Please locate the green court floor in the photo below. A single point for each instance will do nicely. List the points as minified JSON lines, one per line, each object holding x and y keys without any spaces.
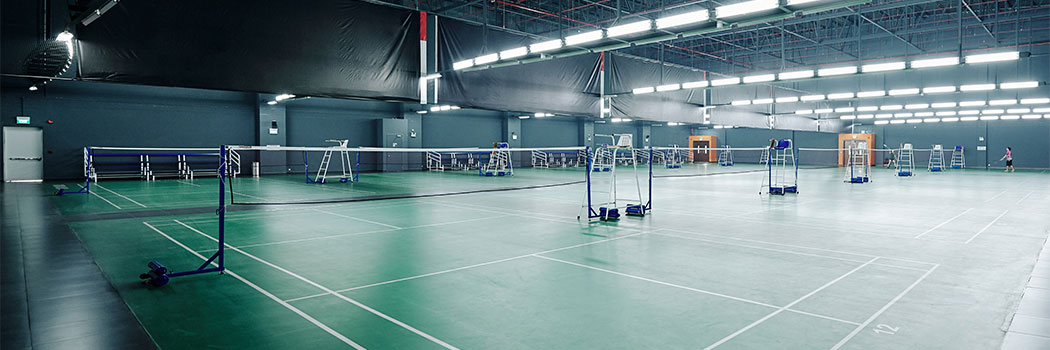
{"x":935,"y":261}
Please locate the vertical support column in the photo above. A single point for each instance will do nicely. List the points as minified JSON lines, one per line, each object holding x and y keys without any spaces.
{"x":414,"y":138}
{"x":511,"y":134}
{"x":645,"y":132}
{"x":587,"y":133}
{"x":267,"y":116}
{"x":393,"y":133}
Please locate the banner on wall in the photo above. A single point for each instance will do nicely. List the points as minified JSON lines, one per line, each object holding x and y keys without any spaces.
{"x":330,"y":48}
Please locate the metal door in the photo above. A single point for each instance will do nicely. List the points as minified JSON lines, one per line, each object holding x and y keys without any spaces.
{"x":701,"y":155}
{"x":23,"y":153}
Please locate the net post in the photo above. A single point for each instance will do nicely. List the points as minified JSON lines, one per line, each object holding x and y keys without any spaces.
{"x":649,"y":203}
{"x":222,"y":207}
{"x":590,"y":208}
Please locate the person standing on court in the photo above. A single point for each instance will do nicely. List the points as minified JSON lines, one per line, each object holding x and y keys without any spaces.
{"x":1009,"y":157}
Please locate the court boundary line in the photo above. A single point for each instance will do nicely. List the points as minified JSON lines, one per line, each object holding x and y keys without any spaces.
{"x":1025,"y":197}
{"x":696,"y":290}
{"x":273,"y":297}
{"x":987,"y":226}
{"x":326,"y":289}
{"x":121,"y":196}
{"x":781,"y":309}
{"x":107,"y":201}
{"x":996,"y":196}
{"x":944,"y":223}
{"x":883,"y":309}
{"x":187,"y":183}
{"x":358,"y":219}
{"x":468,"y":266}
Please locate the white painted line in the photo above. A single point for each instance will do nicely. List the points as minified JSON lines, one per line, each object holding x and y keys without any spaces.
{"x":329,"y":291}
{"x":1025,"y":197}
{"x":782,"y":308}
{"x":248,"y":195}
{"x":944,"y":223}
{"x":986,"y":227}
{"x":299,"y":312}
{"x":883,"y":309}
{"x":187,"y":183}
{"x":358,"y":219}
{"x":121,"y":196}
{"x":104,"y":198}
{"x":996,"y":196}
{"x":467,"y":267}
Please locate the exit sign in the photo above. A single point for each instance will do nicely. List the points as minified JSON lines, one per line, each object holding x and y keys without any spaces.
{"x":22,"y":120}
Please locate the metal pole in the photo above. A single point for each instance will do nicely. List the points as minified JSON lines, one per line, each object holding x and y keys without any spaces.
{"x":222,"y":207}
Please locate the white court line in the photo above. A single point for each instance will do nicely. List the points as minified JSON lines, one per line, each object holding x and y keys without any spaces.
{"x":883,"y":309}
{"x":701,"y":291}
{"x":996,"y":196}
{"x":329,"y":291}
{"x":121,"y":196}
{"x":467,"y":267}
{"x":187,"y":183}
{"x":302,"y":314}
{"x":943,"y":223}
{"x":1025,"y":197}
{"x":782,"y":308}
{"x":104,"y":198}
{"x":358,"y":219}
{"x":986,"y":227}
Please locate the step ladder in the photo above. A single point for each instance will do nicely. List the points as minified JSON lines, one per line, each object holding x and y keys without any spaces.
{"x":344,"y":163}
{"x":764,"y":160}
{"x":499,"y":162}
{"x":936,"y":159}
{"x":674,"y":158}
{"x":725,"y":156}
{"x":782,"y":168}
{"x":958,"y":159}
{"x":859,"y":164}
{"x":603,"y":200}
{"x":906,"y":160}
{"x":434,"y":162}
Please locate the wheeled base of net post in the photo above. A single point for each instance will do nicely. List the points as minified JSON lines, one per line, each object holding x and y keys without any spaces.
{"x":781,"y":190}
{"x":83,"y":189}
{"x":158,"y":274}
{"x":858,"y":180}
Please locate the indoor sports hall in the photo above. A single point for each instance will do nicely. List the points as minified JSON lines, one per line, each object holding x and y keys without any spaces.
{"x":525,"y":174}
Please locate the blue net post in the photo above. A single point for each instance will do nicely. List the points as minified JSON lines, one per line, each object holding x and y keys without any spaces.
{"x":649,"y":202}
{"x":222,"y":208}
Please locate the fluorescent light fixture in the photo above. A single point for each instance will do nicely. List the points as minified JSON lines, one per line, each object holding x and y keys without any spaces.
{"x":882,"y":122}
{"x":840,"y":96}
{"x":435,"y":108}
{"x":866,"y":116}
{"x":977,"y":87}
{"x":1030,"y":116}
{"x":971,"y":103}
{"x":844,"y":109}
{"x":445,"y":108}
{"x":431,"y":76}
{"x":1035,"y":101}
{"x":823,"y":111}
{"x":883,"y":67}
{"x":993,"y":111}
{"x":914,"y":121}
{"x":903,"y":115}
{"x":935,"y":62}
{"x":421,"y":112}
{"x":938,"y":89}
{"x":897,"y":121}
{"x":1041,"y":110}
{"x":760,"y":78}
{"x":884,"y":116}
{"x":787,"y":99}
{"x":802,"y":74}
{"x":949,"y":120}
{"x":863,"y":94}
{"x":641,"y":90}
{"x":762,"y":101}
{"x":827,"y":72}
{"x":486,"y":59}
{"x":545,"y":46}
{"x":804,"y":112}
{"x":267,"y":102}
{"x":800,"y":2}
{"x":542,"y":115}
{"x":969,"y":119}
{"x":745,"y":7}
{"x":283,"y":97}
{"x":626,"y":119}
{"x":668,"y":87}
{"x":719,"y":127}
{"x":903,"y":92}
{"x":726,"y":81}
{"x":463,"y":64}
{"x":924,"y":114}
{"x":945,"y":113}
{"x":740,"y":103}
{"x":970,"y":112}
{"x":1018,"y":110}
{"x":682,"y":19}
{"x":65,"y":37}
{"x":917,"y":106}
{"x":524,"y":117}
{"x":989,"y":117}
{"x":616,"y":120}
{"x":931,"y":120}
{"x":1010,"y":117}
{"x":943,"y":105}
{"x":993,"y":57}
{"x":695,"y":84}
{"x":867,"y":108}
{"x":629,"y":28}
{"x":585,"y":37}
{"x":848,"y":117}
{"x":1019,"y":85}
{"x":513,"y":53}
{"x":809,"y":98}
{"x":891,"y":107}
{"x":1002,"y":102}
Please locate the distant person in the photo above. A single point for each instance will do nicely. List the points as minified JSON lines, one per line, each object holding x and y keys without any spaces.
{"x":1009,"y":157}
{"x":892,"y":161}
